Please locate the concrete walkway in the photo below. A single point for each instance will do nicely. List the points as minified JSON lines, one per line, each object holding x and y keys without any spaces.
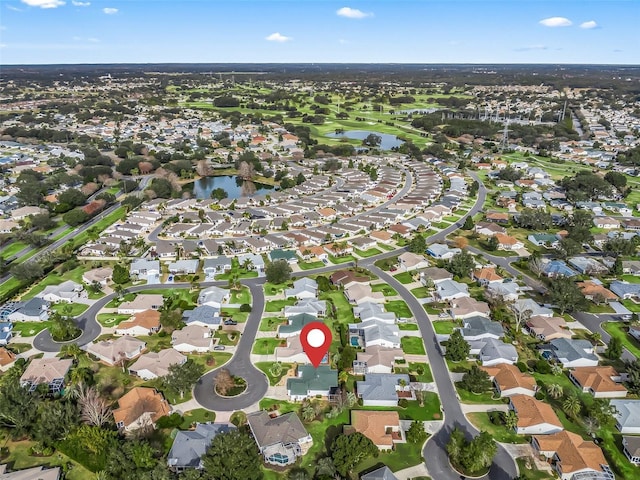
{"x":416,"y":471}
{"x":187,"y":406}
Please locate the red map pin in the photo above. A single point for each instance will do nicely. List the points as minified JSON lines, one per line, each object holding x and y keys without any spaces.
{"x":315,"y":339}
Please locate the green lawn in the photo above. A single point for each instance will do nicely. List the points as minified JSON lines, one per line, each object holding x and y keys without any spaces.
{"x":404,"y":277}
{"x":403,"y":456}
{"x":426,"y":376}
{"x":399,"y":307}
{"x":498,"y":432}
{"x":12,"y":249}
{"x":29,"y":329}
{"x":412,"y":345}
{"x":421,"y":292}
{"x":344,"y":311}
{"x":444,"y":327}
{"x":271,"y":289}
{"x":10,"y":288}
{"x":243,"y":296}
{"x":384,"y":288}
{"x":266,"y":368}
{"x":265,"y":346}
{"x":69,"y":309}
{"x":469,"y":397}
{"x":631,"y":278}
{"x":342,"y":259}
{"x":367,"y":253}
{"x":20,"y":458}
{"x":228,"y":339}
{"x":56,"y":278}
{"x":408,"y":326}
{"x":270,"y":324}
{"x":278,"y":305}
{"x":111,"y":319}
{"x":619,"y":330}
{"x":631,"y":305}
{"x":532,"y":473}
{"x":199,"y":415}
{"x":310,"y":265}
{"x":385,"y":247}
{"x":235,"y":314}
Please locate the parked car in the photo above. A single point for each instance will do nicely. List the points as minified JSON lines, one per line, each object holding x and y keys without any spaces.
{"x":230,"y":322}
{"x":218,"y":347}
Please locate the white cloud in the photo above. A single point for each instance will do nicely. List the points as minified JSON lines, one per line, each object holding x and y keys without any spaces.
{"x":14,"y":9}
{"x":342,"y":41}
{"x":110,"y":11}
{"x":44,"y":3}
{"x":589,"y":25}
{"x":277,"y":37}
{"x":349,"y":12}
{"x":556,"y":22}
{"x":80,"y":4}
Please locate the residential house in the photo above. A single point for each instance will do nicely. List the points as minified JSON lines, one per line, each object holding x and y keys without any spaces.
{"x":596,"y":292}
{"x":156,"y":364}
{"x":374,"y":333}
{"x":183,"y":267}
{"x":489,"y":229}
{"x":572,"y":457}
{"x":631,"y":449}
{"x":144,"y":269}
{"x":409,"y":261}
{"x":495,"y":352}
{"x":545,"y":240}
{"x":547,"y":328}
{"x":192,"y":339}
{"x":203,"y":316}
{"x":466,"y":307}
{"x":601,"y":382}
{"x":607,"y":223}
{"x":382,"y":473}
{"x":360,"y":293}
{"x":317,"y":308}
{"x":433,"y":275}
{"x":627,"y":415}
{"x":47,"y":371}
{"x":101,"y":275}
{"x":346,"y":278}
{"x":215,"y":266}
{"x":114,"y":351}
{"x":506,"y":291}
{"x":67,"y":292}
{"x":486,"y":275}
{"x":481,"y":328}
{"x":142,"y":323}
{"x":534,"y":416}
{"x":384,"y":389}
{"x":374,"y":311}
{"x":376,"y":359}
{"x":449,"y":290}
{"x":631,"y":267}
{"x":498,"y":217}
{"x":6,"y":332}
{"x":252,"y":261}
{"x":282,"y":439}
{"x":625,"y":290}
{"x":142,"y":302}
{"x":189,"y":446}
{"x":508,"y":380}
{"x":442,"y":251}
{"x":7,"y":357}
{"x":140,"y":407}
{"x":303,"y":288}
{"x":288,"y":255}
{"x":311,"y":381}
{"x":381,"y":427}
{"x":33,"y":473}
{"x":572,"y":353}
{"x":558,"y":268}
{"x":528,"y":307}
{"x":214,"y":297}
{"x":587,"y":265}
{"x":293,"y":351}
{"x":507,"y":242}
{"x":33,"y":310}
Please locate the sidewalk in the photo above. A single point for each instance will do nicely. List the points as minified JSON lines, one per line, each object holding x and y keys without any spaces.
{"x":416,"y":471}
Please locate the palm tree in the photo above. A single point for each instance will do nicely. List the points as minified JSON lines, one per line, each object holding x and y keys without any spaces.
{"x":247,"y":264}
{"x":308,"y":412}
{"x":343,"y":377}
{"x":298,"y":474}
{"x":71,"y":350}
{"x":595,"y":338}
{"x":511,"y":420}
{"x":555,"y":390}
{"x":572,"y":406}
{"x":325,"y":467}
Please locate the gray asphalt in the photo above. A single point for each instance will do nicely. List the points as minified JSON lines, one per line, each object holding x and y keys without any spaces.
{"x":594,"y":323}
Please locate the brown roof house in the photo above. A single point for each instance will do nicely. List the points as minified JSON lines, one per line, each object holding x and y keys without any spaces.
{"x":381,"y":427}
{"x":281,"y":439}
{"x":570,"y":455}
{"x":547,"y":328}
{"x":534,"y":416}
{"x":192,"y":338}
{"x":346,"y":278}
{"x":143,"y":323}
{"x":467,"y":307}
{"x":7,"y":357}
{"x":596,"y":292}
{"x":141,"y":303}
{"x":48,"y":371}
{"x":601,"y":382}
{"x":140,"y":407}
{"x":156,"y":364}
{"x":509,"y":380}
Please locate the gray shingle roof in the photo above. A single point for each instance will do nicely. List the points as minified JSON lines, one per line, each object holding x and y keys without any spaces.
{"x":380,"y":386}
{"x":190,"y":445}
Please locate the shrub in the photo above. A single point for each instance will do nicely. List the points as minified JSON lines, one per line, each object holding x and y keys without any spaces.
{"x":245,"y":307}
{"x":543,"y":367}
{"x":403,"y":402}
{"x":172,"y":421}
{"x":522,"y":367}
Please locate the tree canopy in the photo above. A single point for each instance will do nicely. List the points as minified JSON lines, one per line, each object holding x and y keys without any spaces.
{"x":233,"y":456}
{"x":278,"y":272}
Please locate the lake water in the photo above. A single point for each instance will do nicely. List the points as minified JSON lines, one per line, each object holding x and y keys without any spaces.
{"x":388,"y":141}
{"x":233,"y":185}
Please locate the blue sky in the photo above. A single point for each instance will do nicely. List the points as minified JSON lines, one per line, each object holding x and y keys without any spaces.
{"x":394,"y":31}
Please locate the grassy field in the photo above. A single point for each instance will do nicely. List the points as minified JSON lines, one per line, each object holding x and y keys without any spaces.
{"x":384,"y":288}
{"x":408,"y":326}
{"x":619,"y":330}
{"x":271,"y":289}
{"x":111,"y":319}
{"x":278,"y":305}
{"x":270,"y":324}
{"x":498,"y":432}
{"x":532,"y":473}
{"x":20,"y":458}
{"x":469,"y":397}
{"x":444,"y":327}
{"x":399,"y":307}
{"x":421,"y":292}
{"x":310,"y":265}
{"x":70,"y":309}
{"x":11,"y":250}
{"x":265,"y":346}
{"x":412,"y":345}
{"x":404,"y":278}
{"x":266,"y":368}
{"x":56,"y":278}
{"x":367,"y":253}
{"x":29,"y":329}
{"x":243,"y":296}
{"x":199,"y":415}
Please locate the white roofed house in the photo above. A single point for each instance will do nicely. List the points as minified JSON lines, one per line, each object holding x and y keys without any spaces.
{"x":33,"y":310}
{"x":113,"y":351}
{"x":185,"y":267}
{"x":410,"y":261}
{"x":449,"y":290}
{"x":359,"y":293}
{"x":214,"y":297}
{"x":627,"y":415}
{"x":192,"y":338}
{"x":384,"y":389}
{"x":100,"y":275}
{"x":375,"y":333}
{"x":302,"y":288}
{"x":142,"y":302}
{"x":67,"y":292}
{"x":311,"y":306}
{"x":495,"y":352}
{"x":144,"y":269}
{"x":48,"y":371}
{"x":153,"y":365}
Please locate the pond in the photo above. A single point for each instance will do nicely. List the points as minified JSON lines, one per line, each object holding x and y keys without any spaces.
{"x":388,"y":141}
{"x":233,"y":185}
